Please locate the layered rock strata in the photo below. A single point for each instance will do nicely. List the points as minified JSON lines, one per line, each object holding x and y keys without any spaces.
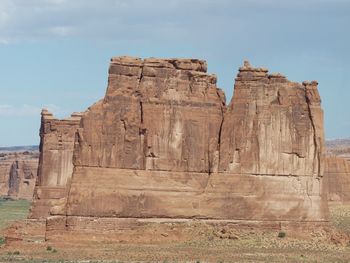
{"x":55,"y":162}
{"x":163,"y":144}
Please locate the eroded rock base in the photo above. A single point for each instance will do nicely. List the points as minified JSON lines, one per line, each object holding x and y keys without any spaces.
{"x":161,"y":194}
{"x":153,"y":230}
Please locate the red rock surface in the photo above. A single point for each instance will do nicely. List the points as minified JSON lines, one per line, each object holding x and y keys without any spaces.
{"x":337,"y":170}
{"x":163,"y":144}
{"x":55,"y":162}
{"x":272,"y":127}
{"x":337,"y":175}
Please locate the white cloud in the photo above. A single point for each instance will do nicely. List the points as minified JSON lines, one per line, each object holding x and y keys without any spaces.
{"x":28,"y":20}
{"x":55,"y":2}
{"x":4,"y":42}
{"x":62,"y":31}
{"x":4,"y":17}
{"x":6,"y":9}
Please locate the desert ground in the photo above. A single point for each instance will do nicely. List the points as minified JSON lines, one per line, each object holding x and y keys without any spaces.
{"x":183,"y":242}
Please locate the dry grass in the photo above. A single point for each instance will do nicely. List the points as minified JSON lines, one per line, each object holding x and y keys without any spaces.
{"x":340,"y":217}
{"x":207,"y":245}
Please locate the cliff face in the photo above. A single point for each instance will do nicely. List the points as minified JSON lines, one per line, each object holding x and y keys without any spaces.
{"x":163,"y":144}
{"x":18,"y":173}
{"x":56,"y":149}
{"x":55,"y":162}
{"x":272,"y":126}
{"x":337,"y":178}
{"x":149,"y":116}
{"x":337,"y":170}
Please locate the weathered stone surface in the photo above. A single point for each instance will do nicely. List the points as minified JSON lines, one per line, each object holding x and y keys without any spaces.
{"x":144,"y":194}
{"x":163,"y":144}
{"x":272,"y":127}
{"x":55,"y":163}
{"x":337,"y":179}
{"x":148,"y":118}
{"x":337,"y":170}
{"x":18,"y":173}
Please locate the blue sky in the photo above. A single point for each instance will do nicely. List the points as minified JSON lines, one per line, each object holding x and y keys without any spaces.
{"x":55,"y":53}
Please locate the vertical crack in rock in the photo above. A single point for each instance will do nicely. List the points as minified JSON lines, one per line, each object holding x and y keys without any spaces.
{"x":142,"y":129}
{"x":191,"y":85}
{"x":317,"y":150}
{"x":220,"y":133}
{"x":209,"y":172}
{"x":210,"y":164}
{"x":141,"y":112}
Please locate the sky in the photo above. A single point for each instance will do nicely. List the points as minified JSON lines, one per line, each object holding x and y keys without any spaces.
{"x":55,"y":53}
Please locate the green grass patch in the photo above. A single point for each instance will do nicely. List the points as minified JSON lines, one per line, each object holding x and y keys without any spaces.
{"x":11,"y":210}
{"x":2,"y":240}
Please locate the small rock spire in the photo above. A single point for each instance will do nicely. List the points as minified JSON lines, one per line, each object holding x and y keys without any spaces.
{"x":46,"y":113}
{"x":246,"y":64}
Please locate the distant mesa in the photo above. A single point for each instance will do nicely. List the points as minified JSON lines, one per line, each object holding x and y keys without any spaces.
{"x":19,"y":148}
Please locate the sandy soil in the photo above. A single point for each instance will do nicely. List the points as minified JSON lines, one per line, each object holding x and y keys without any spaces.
{"x":185,"y":242}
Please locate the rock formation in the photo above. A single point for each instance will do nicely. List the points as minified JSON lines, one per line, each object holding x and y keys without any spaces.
{"x":337,"y":175}
{"x":163,"y":144}
{"x":55,"y":162}
{"x":337,"y":170}
{"x":18,"y":172}
{"x":272,"y":127}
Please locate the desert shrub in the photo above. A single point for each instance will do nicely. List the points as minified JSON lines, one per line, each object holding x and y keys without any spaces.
{"x":16,"y":253}
{"x":281,"y":234}
{"x":2,"y":241}
{"x":49,"y":248}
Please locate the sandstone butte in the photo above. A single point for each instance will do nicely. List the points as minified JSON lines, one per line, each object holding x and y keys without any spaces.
{"x":163,"y":144}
